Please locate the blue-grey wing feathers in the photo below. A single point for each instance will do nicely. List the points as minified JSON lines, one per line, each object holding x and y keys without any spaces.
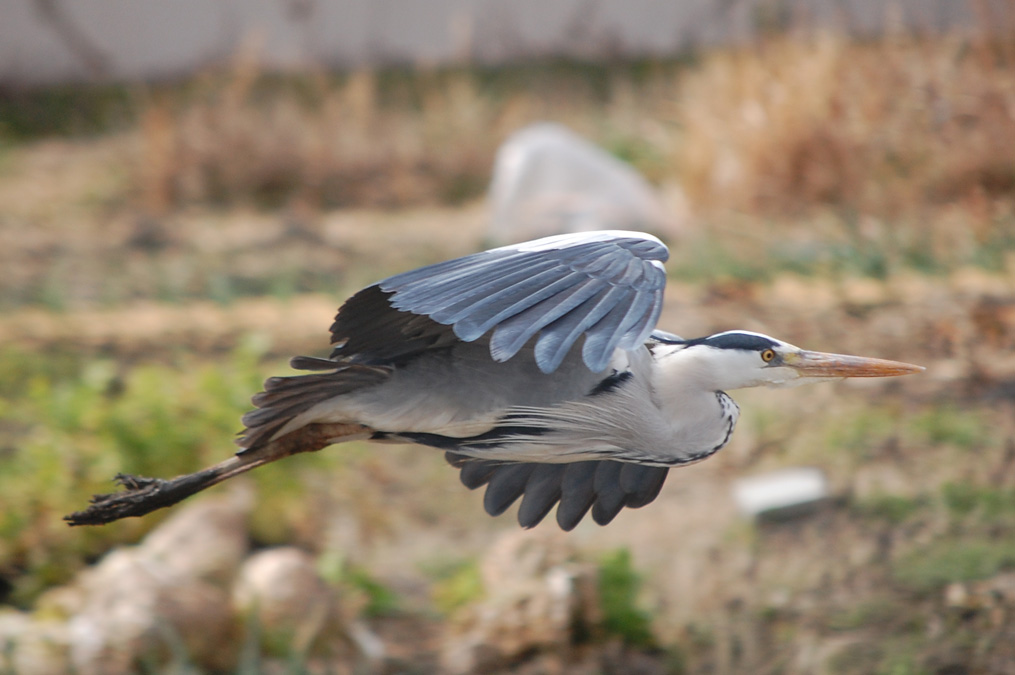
{"x":605,"y":286}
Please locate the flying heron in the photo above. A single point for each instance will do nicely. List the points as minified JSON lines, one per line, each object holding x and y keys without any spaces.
{"x":535,"y":367}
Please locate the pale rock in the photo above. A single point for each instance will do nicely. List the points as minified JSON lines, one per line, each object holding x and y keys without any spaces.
{"x":956,"y":595}
{"x":168,"y":593}
{"x":536,"y":594}
{"x":205,"y":540}
{"x":31,"y":646}
{"x":283,"y":592}
{"x":548,"y":180}
{"x":282,"y":588}
{"x":136,"y":607}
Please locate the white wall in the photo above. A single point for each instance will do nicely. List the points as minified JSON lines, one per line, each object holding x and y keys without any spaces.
{"x":61,"y":40}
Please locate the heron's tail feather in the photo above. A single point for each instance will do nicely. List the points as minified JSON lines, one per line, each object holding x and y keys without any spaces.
{"x":284,"y":398}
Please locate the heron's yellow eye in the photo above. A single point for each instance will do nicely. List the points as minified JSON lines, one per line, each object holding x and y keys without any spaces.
{"x":767,"y":355}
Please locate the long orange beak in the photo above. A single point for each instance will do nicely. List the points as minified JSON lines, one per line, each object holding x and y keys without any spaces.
{"x":820,"y":364}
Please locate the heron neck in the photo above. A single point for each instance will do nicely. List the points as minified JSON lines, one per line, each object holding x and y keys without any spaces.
{"x":700,"y":416}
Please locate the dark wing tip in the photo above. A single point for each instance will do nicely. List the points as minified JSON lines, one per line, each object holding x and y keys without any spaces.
{"x":605,"y":487}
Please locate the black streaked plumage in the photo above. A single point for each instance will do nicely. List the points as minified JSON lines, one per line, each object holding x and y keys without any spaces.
{"x":611,"y":383}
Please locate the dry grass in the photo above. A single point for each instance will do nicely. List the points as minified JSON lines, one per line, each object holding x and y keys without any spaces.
{"x":370,"y":139}
{"x":861,"y":158}
{"x":241,"y":136}
{"x":885,"y":129}
{"x":331,"y":146}
{"x":888,"y":128}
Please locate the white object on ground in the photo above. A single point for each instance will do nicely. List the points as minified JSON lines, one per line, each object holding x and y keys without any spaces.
{"x":548,"y":180}
{"x":780,"y":492}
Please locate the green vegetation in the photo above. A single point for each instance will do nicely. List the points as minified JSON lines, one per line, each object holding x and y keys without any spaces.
{"x":68,"y":425}
{"x":69,"y":110}
{"x":877,"y":613}
{"x":950,"y":425}
{"x":946,"y":560}
{"x":893,"y":509}
{"x":457,"y":585}
{"x":866,"y":431}
{"x":891,"y":656}
{"x":989,"y":504}
{"x":379,"y":599}
{"x":619,"y":588}
{"x":862,"y":433}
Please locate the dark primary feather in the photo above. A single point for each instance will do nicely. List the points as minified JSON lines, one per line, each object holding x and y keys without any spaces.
{"x":609,"y":493}
{"x":641,"y":483}
{"x":605,"y":486}
{"x":506,"y":485}
{"x":474,"y":474}
{"x":577,"y":493}
{"x":368,"y":330}
{"x":542,"y":492}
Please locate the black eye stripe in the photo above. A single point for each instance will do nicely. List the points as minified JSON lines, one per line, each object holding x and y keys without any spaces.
{"x":734,"y":340}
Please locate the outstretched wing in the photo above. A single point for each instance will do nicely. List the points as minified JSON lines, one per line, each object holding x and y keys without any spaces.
{"x":605,"y":486}
{"x":607,"y":286}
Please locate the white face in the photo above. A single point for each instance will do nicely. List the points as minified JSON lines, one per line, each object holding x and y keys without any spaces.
{"x":739,"y":359}
{"x":741,"y":368}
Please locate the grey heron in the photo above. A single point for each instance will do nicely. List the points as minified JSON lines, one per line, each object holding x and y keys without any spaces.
{"x":536,"y":368}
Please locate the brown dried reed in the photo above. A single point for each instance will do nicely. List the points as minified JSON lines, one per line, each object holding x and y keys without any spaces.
{"x":884,"y":129}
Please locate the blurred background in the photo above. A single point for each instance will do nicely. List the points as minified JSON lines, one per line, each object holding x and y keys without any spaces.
{"x":189,"y":190}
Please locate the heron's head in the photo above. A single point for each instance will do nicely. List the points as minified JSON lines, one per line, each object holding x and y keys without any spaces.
{"x":739,"y":359}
